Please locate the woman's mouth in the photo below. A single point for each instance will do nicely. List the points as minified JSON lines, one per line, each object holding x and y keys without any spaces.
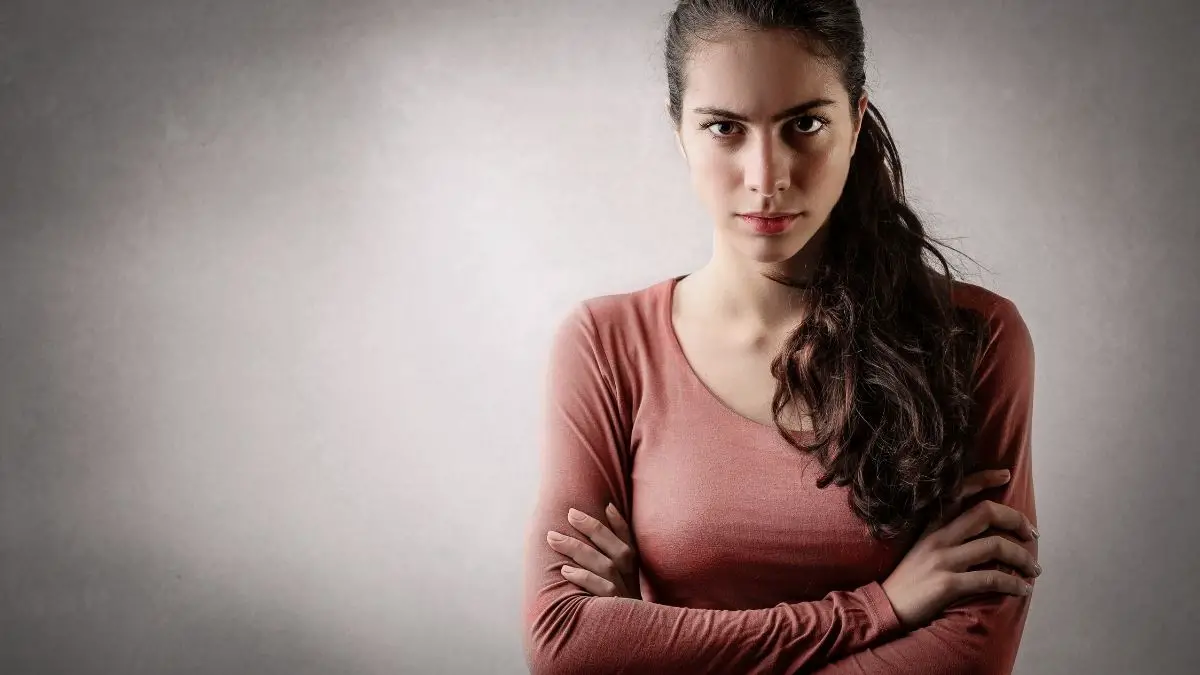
{"x":768,"y":224}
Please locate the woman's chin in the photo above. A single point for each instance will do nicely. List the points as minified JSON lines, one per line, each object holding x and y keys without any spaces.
{"x":773,"y":249}
{"x":770,"y":252}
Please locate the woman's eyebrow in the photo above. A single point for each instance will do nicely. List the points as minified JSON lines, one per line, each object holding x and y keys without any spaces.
{"x":790,"y":112}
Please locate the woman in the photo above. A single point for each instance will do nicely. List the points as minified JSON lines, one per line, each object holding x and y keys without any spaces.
{"x":778,"y":463}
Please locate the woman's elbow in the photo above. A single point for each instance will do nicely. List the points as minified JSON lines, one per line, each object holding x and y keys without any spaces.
{"x":547,"y":651}
{"x":537,"y":652}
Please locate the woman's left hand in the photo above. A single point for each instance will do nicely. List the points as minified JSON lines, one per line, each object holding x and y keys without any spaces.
{"x":610,"y":571}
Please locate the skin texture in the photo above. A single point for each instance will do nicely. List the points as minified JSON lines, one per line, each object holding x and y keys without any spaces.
{"x":796,"y":164}
{"x":730,"y":319}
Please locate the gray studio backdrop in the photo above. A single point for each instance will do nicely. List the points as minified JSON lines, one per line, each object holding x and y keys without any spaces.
{"x":277,"y":280}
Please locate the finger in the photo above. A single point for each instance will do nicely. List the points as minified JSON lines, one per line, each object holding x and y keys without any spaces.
{"x":971,"y":485}
{"x":622,"y":529}
{"x":996,"y":547}
{"x":619,"y":526}
{"x":589,"y":582}
{"x":991,"y":581}
{"x":983,"y":480}
{"x":587,"y":557}
{"x":608,"y":543}
{"x":952,"y":528}
{"x":980,"y":517}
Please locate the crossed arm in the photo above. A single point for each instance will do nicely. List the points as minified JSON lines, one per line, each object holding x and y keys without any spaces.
{"x":845,"y":633}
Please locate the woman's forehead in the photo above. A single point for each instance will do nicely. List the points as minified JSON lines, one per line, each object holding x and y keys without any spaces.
{"x":757,"y":73}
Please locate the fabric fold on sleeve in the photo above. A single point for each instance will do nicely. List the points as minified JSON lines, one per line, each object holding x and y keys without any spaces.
{"x":585,"y":465}
{"x":979,"y":635}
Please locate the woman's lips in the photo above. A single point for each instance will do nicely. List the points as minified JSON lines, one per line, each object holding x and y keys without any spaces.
{"x":762,"y":225}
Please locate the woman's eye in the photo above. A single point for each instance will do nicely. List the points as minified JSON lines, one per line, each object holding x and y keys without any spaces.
{"x":812,"y":119}
{"x":714,"y":125}
{"x":803,"y":125}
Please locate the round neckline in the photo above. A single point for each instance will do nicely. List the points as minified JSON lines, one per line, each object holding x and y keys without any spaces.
{"x":714,"y":401}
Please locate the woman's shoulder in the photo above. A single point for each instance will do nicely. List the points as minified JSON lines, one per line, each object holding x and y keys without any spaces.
{"x":621,"y":327}
{"x":997,"y":309}
{"x":624,"y":314}
{"x":638,"y":301}
{"x":622,"y":335}
{"x":1008,"y":345}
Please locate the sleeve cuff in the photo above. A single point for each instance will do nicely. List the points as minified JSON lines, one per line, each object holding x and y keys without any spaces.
{"x":881,"y":608}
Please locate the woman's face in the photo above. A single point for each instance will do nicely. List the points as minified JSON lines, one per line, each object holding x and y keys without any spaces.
{"x":765,"y":127}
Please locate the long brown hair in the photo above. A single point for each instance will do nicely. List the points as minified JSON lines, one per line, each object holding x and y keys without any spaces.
{"x":883,"y":360}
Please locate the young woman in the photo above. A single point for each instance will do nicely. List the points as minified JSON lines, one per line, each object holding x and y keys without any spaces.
{"x":779,"y":462}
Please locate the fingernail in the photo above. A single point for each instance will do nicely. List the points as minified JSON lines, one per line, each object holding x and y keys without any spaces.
{"x":1028,"y":589}
{"x":611,"y":509}
{"x":554,"y":536}
{"x":575,"y":515}
{"x":567,"y":569}
{"x":1035,"y":532}
{"x":1037,"y":568}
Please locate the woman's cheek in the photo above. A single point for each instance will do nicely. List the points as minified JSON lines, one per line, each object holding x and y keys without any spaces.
{"x":714,"y":181}
{"x":821,"y":174}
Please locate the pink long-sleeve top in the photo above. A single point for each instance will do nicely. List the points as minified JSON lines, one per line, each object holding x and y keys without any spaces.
{"x":746,"y":567}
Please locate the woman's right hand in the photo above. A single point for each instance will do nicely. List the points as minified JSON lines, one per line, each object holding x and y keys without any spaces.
{"x":934,"y":573}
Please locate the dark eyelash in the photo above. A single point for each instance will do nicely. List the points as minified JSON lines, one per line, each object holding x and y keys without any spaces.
{"x":824,"y":123}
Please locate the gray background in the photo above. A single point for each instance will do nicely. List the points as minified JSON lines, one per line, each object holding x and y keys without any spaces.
{"x":277,"y":281}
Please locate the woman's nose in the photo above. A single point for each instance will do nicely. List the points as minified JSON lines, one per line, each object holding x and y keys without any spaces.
{"x":767,"y":172}
{"x":768,"y":188}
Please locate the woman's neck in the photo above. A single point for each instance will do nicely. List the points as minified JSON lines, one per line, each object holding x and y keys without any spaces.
{"x":735,"y":290}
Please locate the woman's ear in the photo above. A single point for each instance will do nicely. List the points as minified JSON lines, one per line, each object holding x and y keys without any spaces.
{"x":862,"y":115}
{"x":679,"y":144}
{"x":674,"y":128}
